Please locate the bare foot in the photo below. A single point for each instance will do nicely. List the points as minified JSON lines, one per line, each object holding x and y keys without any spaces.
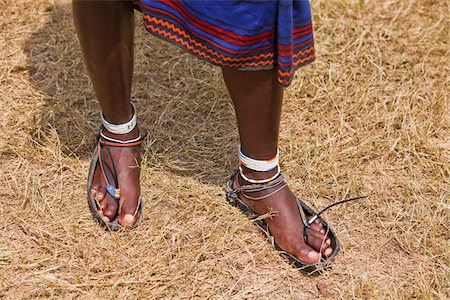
{"x":127,"y":161}
{"x":286,"y":224}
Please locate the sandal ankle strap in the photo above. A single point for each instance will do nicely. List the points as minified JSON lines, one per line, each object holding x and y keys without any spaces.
{"x":259,"y":181}
{"x":119,"y":143}
{"x":277,"y":183}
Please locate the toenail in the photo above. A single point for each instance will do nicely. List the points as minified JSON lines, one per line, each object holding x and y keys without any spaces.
{"x":328,"y":251}
{"x":128,"y":219}
{"x":328,"y":242}
{"x":322,"y":231}
{"x":105,"y":219}
{"x":313,"y":254}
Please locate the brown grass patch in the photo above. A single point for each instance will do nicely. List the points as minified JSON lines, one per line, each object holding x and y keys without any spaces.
{"x":369,"y":117}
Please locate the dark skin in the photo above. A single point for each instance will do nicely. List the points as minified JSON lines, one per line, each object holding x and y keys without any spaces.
{"x":105,"y":30}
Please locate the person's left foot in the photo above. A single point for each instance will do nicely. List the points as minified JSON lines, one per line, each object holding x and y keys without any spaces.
{"x":285,"y":223}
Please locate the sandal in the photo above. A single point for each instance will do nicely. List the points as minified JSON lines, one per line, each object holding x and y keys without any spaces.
{"x":304,"y":210}
{"x":109,"y":172}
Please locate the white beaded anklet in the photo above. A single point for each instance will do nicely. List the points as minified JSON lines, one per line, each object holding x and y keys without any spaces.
{"x":121,"y":128}
{"x":259,"y":166}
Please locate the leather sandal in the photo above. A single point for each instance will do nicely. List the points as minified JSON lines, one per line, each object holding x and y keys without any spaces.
{"x":305,"y":211}
{"x":109,"y":172}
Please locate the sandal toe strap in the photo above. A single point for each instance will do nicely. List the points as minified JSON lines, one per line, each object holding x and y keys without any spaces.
{"x":109,"y":172}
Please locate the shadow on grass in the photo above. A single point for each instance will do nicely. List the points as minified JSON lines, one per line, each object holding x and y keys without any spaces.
{"x":183,"y":106}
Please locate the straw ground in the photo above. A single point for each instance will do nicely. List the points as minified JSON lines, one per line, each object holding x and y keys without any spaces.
{"x":369,"y":117}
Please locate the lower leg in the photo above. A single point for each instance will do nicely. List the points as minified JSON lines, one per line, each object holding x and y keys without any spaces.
{"x":257,"y":98}
{"x":106,"y":30}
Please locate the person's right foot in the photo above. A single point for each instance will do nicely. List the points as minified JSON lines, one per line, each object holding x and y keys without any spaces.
{"x":127,"y":161}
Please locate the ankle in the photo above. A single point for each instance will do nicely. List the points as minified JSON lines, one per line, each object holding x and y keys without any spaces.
{"x":258,"y":171}
{"x":121,"y":115}
{"x":124,"y":131}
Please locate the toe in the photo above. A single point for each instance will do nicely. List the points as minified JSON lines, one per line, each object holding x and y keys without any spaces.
{"x":319,"y":242}
{"x":98,"y":188}
{"x":317,"y":228}
{"x":101,"y":193}
{"x":110,"y":207}
{"x":128,"y":213}
{"x":95,"y":192}
{"x":307,"y":254}
{"x":127,"y":220}
{"x":316,"y":223}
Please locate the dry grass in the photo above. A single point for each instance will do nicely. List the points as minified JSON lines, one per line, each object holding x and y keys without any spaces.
{"x":369,"y":117}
